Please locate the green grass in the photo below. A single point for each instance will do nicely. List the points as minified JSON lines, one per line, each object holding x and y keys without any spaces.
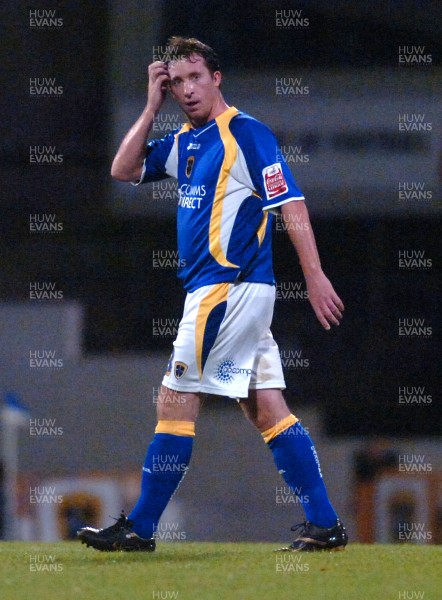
{"x":194,"y":571}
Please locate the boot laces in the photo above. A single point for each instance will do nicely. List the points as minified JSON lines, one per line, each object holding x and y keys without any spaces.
{"x":302,"y":525}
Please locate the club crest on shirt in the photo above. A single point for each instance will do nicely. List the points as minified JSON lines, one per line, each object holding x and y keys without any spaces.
{"x":189,"y":165}
{"x":179,"y":369}
{"x":274,"y":181}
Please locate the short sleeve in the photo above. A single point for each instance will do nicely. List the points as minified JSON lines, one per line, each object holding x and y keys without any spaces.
{"x":261,"y":164}
{"x":160,"y":161}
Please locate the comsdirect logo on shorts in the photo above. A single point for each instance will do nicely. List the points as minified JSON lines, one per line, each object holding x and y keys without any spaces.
{"x":226,"y":371}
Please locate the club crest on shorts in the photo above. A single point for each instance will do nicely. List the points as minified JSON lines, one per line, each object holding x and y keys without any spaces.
{"x":179,"y":369}
{"x":189,"y":165}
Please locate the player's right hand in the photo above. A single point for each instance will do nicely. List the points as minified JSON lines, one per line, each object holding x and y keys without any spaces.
{"x":157,"y":88}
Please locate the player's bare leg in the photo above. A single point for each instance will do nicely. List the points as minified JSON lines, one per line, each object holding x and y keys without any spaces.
{"x":265,"y":408}
{"x":297,"y":461}
{"x":177,"y":406}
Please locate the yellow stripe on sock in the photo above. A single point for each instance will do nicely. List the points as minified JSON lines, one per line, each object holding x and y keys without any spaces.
{"x":281,"y":426}
{"x":183,"y":428}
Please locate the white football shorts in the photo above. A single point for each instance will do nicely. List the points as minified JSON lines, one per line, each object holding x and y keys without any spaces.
{"x":224,"y":345}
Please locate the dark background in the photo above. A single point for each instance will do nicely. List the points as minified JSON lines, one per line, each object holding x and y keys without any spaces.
{"x":105,"y":260}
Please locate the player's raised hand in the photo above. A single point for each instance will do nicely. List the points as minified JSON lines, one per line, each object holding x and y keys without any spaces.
{"x":325,"y":301}
{"x":128,"y":162}
{"x":157,"y":88}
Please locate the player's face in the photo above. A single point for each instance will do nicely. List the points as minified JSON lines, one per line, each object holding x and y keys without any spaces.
{"x":195,"y":89}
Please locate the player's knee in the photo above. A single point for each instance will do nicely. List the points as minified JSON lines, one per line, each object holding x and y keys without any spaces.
{"x":258,"y":417}
{"x":265,"y":408}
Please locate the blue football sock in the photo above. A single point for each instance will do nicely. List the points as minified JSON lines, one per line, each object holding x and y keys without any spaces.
{"x":165,"y":466}
{"x":296,"y":459}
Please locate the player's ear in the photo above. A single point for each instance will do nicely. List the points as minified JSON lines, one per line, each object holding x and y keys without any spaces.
{"x":217,"y":78}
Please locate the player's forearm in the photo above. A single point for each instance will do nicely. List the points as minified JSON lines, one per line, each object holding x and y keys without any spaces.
{"x":298,"y":226}
{"x":128,"y":162}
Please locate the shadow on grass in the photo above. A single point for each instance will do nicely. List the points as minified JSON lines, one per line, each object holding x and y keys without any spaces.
{"x":178,"y":553}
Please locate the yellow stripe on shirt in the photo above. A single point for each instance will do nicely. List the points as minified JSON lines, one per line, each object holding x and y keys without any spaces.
{"x":262,"y":228}
{"x":230,"y":154}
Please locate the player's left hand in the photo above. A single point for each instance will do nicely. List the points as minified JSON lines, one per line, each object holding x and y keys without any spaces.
{"x":325,"y":301}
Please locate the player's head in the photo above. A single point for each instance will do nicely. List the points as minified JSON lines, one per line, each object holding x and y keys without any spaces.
{"x":185,"y":48}
{"x":195,"y":79}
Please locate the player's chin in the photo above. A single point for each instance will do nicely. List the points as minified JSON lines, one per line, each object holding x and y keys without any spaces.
{"x":196,"y":110}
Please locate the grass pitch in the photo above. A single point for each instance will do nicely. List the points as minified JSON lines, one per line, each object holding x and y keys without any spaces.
{"x":203,"y":571}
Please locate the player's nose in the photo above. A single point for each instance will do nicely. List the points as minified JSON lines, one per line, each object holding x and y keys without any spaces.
{"x":188,"y":88}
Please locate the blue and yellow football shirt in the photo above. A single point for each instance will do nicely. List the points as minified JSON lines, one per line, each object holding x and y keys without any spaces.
{"x":229,"y":182}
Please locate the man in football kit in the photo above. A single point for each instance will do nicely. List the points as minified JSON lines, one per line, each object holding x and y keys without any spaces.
{"x":229,"y":182}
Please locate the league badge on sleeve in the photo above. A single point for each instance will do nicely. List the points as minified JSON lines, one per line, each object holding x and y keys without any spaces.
{"x":274,"y":181}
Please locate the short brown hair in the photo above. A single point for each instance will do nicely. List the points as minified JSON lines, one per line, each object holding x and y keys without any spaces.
{"x":185,"y":47}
